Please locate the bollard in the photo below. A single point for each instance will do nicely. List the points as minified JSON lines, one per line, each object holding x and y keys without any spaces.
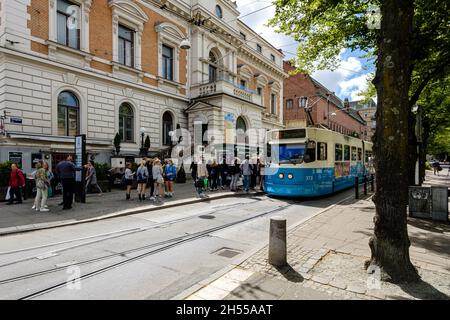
{"x":365,"y":185}
{"x":356,"y":188}
{"x":372,"y":182}
{"x":277,"y":242}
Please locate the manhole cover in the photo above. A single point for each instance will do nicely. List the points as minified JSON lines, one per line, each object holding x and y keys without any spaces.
{"x":206,"y":216}
{"x":227,"y":252}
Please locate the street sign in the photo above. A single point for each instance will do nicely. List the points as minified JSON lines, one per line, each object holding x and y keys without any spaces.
{"x":15,"y":120}
{"x":80,"y":161}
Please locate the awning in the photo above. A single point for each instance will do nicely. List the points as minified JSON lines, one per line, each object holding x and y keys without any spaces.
{"x":57,"y":139}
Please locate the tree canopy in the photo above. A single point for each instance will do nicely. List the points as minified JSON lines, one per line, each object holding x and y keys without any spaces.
{"x":324,"y":28}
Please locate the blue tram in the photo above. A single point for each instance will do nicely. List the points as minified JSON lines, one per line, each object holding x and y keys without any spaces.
{"x":313,"y":162}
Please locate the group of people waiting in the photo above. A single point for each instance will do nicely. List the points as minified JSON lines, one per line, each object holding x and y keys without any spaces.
{"x":211,"y":175}
{"x":154,"y":174}
{"x":42,"y":177}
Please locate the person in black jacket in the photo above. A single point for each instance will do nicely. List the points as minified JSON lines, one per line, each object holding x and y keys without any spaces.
{"x":235,"y":171}
{"x":254,"y":175}
{"x":224,"y":171}
{"x":151,"y":181}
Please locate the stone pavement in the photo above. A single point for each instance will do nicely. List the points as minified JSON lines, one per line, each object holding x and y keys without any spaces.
{"x":20,"y":217}
{"x":326,"y":258}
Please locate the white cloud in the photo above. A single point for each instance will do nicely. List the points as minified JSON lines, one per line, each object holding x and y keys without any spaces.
{"x":346,"y":82}
{"x":353,"y":86}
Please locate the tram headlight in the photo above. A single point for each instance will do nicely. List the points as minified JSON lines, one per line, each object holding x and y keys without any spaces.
{"x":281,"y":176}
{"x":290,"y":176}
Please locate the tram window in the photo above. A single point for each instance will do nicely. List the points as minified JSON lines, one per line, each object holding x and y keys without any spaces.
{"x":269,"y":150}
{"x":321,"y":151}
{"x":354,"y":154}
{"x":359,"y":154}
{"x":338,"y":152}
{"x":310,"y":154}
{"x":346,"y":153}
{"x":368,"y":155}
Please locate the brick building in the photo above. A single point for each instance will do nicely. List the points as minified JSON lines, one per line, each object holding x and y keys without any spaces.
{"x":121,"y":68}
{"x":367,"y":110}
{"x":326,"y":108}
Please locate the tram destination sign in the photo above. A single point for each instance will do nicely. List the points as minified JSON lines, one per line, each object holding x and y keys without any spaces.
{"x":289,"y":134}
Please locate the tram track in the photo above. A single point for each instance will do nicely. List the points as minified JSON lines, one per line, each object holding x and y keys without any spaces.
{"x":107,"y":236}
{"x":160,"y":246}
{"x":171,"y":243}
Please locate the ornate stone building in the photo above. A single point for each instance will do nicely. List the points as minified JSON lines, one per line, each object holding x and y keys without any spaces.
{"x":107,"y":66}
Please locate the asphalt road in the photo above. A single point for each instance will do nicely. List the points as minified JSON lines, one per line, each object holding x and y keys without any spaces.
{"x":154,"y":255}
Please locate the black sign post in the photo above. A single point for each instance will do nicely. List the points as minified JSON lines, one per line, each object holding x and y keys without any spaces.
{"x":80,"y":161}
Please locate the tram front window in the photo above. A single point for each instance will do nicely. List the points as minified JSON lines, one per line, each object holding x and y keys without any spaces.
{"x":289,"y":153}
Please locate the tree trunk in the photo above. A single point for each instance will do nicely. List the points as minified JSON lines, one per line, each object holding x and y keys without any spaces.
{"x":390,"y":243}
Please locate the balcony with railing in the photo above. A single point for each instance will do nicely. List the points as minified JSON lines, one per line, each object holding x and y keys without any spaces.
{"x":223,"y":86}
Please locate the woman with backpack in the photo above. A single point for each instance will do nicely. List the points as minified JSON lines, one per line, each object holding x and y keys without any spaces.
{"x":42,"y":184}
{"x":128,"y":180}
{"x":142,"y":178}
{"x":151,"y":181}
{"x":157,"y":173}
{"x":91,"y":178}
{"x":170,"y":173}
{"x":214,"y":175}
{"x":235,"y":171}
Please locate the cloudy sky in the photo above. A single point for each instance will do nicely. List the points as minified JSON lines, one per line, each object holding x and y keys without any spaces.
{"x":346,"y":81}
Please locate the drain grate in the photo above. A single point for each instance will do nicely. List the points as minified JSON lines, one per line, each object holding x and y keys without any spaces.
{"x":206,"y":216}
{"x":227,"y":252}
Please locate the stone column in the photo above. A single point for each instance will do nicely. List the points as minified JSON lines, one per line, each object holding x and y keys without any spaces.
{"x":277,"y":242}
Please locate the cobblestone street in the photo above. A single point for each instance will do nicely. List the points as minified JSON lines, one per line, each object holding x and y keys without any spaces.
{"x":326,"y":257}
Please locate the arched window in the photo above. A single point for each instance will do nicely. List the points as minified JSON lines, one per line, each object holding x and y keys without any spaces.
{"x":212,"y":67}
{"x":126,"y":122}
{"x":241,"y":129}
{"x":240,"y":124}
{"x":219,"y":12}
{"x":167,"y":127}
{"x":68,"y":114}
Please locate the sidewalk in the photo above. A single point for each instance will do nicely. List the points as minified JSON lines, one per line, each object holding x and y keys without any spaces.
{"x":326,"y":258}
{"x":20,"y":217}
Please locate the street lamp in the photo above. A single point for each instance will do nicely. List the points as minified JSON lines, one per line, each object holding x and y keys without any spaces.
{"x":185,"y":44}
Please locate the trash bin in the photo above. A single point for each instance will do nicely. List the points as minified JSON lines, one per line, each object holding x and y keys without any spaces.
{"x":420,"y":202}
{"x":439,"y":206}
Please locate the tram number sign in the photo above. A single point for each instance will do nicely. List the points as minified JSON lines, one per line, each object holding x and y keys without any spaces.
{"x":309,"y":178}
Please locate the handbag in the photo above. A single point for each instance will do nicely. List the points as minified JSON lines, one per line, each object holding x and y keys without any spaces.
{"x":8,"y":196}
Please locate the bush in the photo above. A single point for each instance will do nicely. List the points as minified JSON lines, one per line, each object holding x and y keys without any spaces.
{"x":428,"y":166}
{"x":5,"y":171}
{"x":102,"y":170}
